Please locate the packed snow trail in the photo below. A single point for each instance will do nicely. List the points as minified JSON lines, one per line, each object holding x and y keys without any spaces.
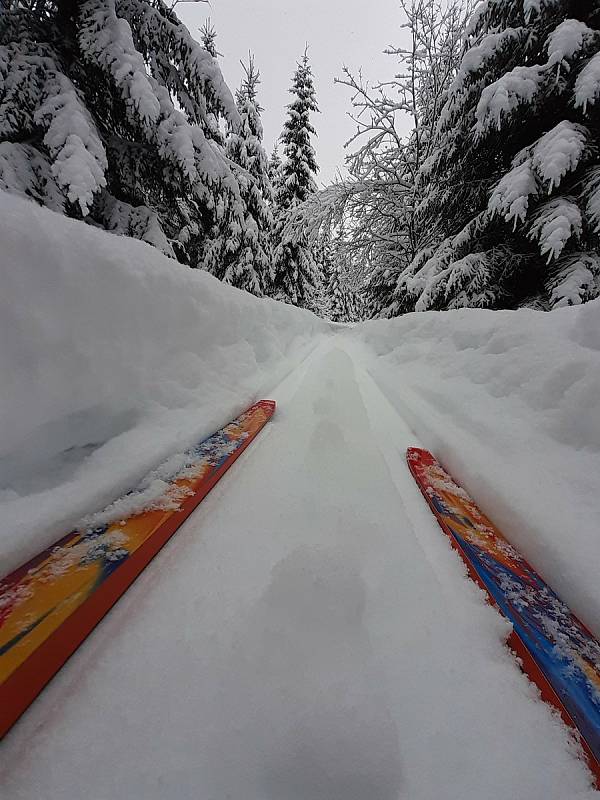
{"x":307,"y":635}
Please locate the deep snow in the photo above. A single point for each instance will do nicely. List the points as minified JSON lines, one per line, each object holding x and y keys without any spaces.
{"x":510,"y":403}
{"x":309,"y":633}
{"x":113,"y":358}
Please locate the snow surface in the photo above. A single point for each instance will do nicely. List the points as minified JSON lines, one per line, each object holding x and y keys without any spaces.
{"x":309,"y":634}
{"x":510,"y":403}
{"x":113,"y":358}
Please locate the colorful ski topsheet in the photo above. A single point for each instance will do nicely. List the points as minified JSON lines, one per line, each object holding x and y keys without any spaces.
{"x":560,"y":645}
{"x":49,"y":605}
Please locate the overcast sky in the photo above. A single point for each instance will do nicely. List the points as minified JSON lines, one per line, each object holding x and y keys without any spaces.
{"x":352,"y":32}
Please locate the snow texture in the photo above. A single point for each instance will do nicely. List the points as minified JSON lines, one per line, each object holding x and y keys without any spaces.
{"x":501,"y":98}
{"x":137,"y":221}
{"x":79,"y":159}
{"x":587,"y":85}
{"x":566,"y":41}
{"x":107,"y":39}
{"x":591,"y":194}
{"x":114,"y":357}
{"x":487,"y":49}
{"x":510,"y":404}
{"x":240,"y":250}
{"x":24,"y":170}
{"x":511,"y":196}
{"x":474,"y":21}
{"x":47,"y":99}
{"x":559,"y":152}
{"x":295,"y":268}
{"x":554,"y":223}
{"x":546,"y":162}
{"x":308,"y":635}
{"x":575,"y":279}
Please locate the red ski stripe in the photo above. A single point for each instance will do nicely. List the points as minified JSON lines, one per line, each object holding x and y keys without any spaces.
{"x":419,"y":461}
{"x":24,"y":684}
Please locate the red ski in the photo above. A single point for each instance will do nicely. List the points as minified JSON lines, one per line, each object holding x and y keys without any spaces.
{"x":51,"y":604}
{"x":557,"y":651}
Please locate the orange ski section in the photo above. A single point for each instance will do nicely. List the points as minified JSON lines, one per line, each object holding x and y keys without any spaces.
{"x":51,"y":604}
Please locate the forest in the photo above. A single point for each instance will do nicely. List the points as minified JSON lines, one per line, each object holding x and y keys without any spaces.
{"x":112,"y":113}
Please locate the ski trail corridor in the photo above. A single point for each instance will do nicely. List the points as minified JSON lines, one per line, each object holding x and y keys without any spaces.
{"x":307,"y":635}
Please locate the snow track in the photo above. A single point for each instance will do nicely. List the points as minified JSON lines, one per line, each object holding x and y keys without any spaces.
{"x":307,"y":635}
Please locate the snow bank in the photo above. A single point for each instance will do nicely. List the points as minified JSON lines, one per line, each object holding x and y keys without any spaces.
{"x":327,"y":646}
{"x":510,"y":402}
{"x":112,"y":358}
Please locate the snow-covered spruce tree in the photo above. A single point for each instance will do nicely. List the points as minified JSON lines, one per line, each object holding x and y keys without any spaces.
{"x":323,"y":252}
{"x":109,"y":111}
{"x":275,"y":166}
{"x":208,"y":37}
{"x":295,"y":265}
{"x":240,"y":253}
{"x":513,"y":188}
{"x":378,"y":293}
{"x":340,"y":304}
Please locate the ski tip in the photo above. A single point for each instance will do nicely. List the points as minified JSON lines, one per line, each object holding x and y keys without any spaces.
{"x":414,"y":454}
{"x":268,"y":405}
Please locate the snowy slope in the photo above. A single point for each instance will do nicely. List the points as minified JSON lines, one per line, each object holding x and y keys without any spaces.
{"x":308,"y":635}
{"x":112,"y":358}
{"x":510,"y":402}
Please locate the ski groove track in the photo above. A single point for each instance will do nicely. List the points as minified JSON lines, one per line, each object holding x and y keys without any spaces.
{"x":308,"y":634}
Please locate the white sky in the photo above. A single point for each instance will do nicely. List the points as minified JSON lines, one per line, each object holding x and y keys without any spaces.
{"x":351,"y":32}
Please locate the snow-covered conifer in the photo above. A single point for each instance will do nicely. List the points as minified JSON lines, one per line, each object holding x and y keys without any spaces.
{"x":300,"y":164}
{"x":380,"y":287}
{"x":208,"y":37}
{"x":340,"y":303}
{"x":295,"y":265}
{"x":323,"y":252}
{"x":275,"y":165}
{"x":240,"y":252}
{"x":110,"y":111}
{"x":511,"y":189}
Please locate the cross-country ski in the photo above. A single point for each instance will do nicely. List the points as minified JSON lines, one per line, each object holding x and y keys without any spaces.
{"x":556,"y":650}
{"x":51,"y":604}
